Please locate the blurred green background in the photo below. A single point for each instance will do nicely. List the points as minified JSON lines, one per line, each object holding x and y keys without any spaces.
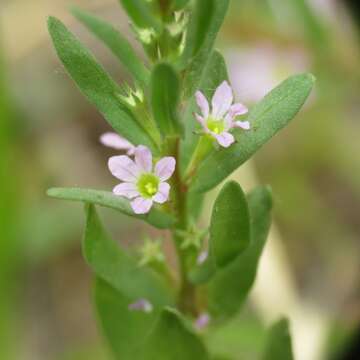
{"x":49,"y":137}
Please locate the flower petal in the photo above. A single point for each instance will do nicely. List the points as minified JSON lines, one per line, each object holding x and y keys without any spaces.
{"x":141,"y":305}
{"x":115,"y":141}
{"x":202,"y":103}
{"x":165,"y":168}
{"x":243,"y":125}
{"x":202,"y":321}
{"x":129,"y":190}
{"x":225,"y":139}
{"x":202,"y":121}
{"x":123,"y":168}
{"x":141,"y":205}
{"x":222,"y":100}
{"x":238,"y":109}
{"x":202,"y":257}
{"x":163,"y":193}
{"x":143,"y":158}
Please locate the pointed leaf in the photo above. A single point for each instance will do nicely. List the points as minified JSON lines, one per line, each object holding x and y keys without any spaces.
{"x":230,"y":225}
{"x":140,"y":13}
{"x":173,"y":339}
{"x":230,"y":286}
{"x":125,"y":330}
{"x":278,"y":345}
{"x":179,"y":4}
{"x":96,"y":84}
{"x":212,"y":76}
{"x":112,"y":264}
{"x":201,"y":274}
{"x":194,"y":70}
{"x":165,"y":95}
{"x":156,"y":217}
{"x":266,"y":119}
{"x":200,"y":23}
{"x":120,"y":47}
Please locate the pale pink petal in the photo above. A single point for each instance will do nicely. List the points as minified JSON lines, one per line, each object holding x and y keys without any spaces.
{"x":225,"y":139}
{"x":165,"y":168}
{"x":143,"y":158}
{"x":141,"y":305}
{"x":123,"y":168}
{"x":202,"y":321}
{"x":222,"y":100}
{"x":202,"y":257}
{"x":243,"y":125}
{"x":203,"y":104}
{"x":228,"y":121}
{"x":238,"y":109}
{"x":163,"y":193}
{"x":115,"y":141}
{"x":202,"y":121}
{"x":129,"y":190}
{"x":141,"y":205}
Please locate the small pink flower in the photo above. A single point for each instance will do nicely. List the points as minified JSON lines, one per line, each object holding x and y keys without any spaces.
{"x":221,"y":119}
{"x":202,"y":257}
{"x":115,"y":141}
{"x":141,"y":305}
{"x":141,"y":183}
{"x":202,"y":322}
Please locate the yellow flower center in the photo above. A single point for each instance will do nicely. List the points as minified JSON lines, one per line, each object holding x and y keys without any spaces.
{"x":148,"y":185}
{"x":215,"y":126}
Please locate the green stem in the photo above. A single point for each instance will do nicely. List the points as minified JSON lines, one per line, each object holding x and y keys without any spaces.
{"x":203,"y":148}
{"x":187,"y":293}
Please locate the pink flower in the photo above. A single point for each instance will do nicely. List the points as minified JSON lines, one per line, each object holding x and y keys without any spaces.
{"x":202,"y":257}
{"x":221,"y":119}
{"x":141,"y":183}
{"x":115,"y":141}
{"x":141,"y":305}
{"x":202,"y":321}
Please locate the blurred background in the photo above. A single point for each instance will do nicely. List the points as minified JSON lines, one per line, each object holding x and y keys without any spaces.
{"x":49,"y":137}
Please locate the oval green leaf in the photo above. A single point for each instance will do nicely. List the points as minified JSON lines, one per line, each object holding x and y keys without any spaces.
{"x":165,"y":96}
{"x":194,"y":69}
{"x":140,"y":14}
{"x":230,"y":285}
{"x":110,"y":263}
{"x":230,"y":224}
{"x":267,"y":118}
{"x":278,"y":345}
{"x":96,"y":84}
{"x":118,"y":45}
{"x":124,"y":330}
{"x":107,"y":199}
{"x":173,"y":339}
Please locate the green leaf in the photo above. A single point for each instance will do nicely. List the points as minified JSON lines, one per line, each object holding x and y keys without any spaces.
{"x":165,"y":95}
{"x":230,"y":286}
{"x":266,"y":119}
{"x":278,"y":345}
{"x":201,"y":274}
{"x":120,"y":47}
{"x":156,"y":217}
{"x":141,"y":14}
{"x":212,"y":76}
{"x":198,"y":28}
{"x":96,"y":84}
{"x":179,"y":4}
{"x":230,"y":225}
{"x":194,"y":71}
{"x":173,"y":339}
{"x":125,"y":330}
{"x":112,"y":264}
